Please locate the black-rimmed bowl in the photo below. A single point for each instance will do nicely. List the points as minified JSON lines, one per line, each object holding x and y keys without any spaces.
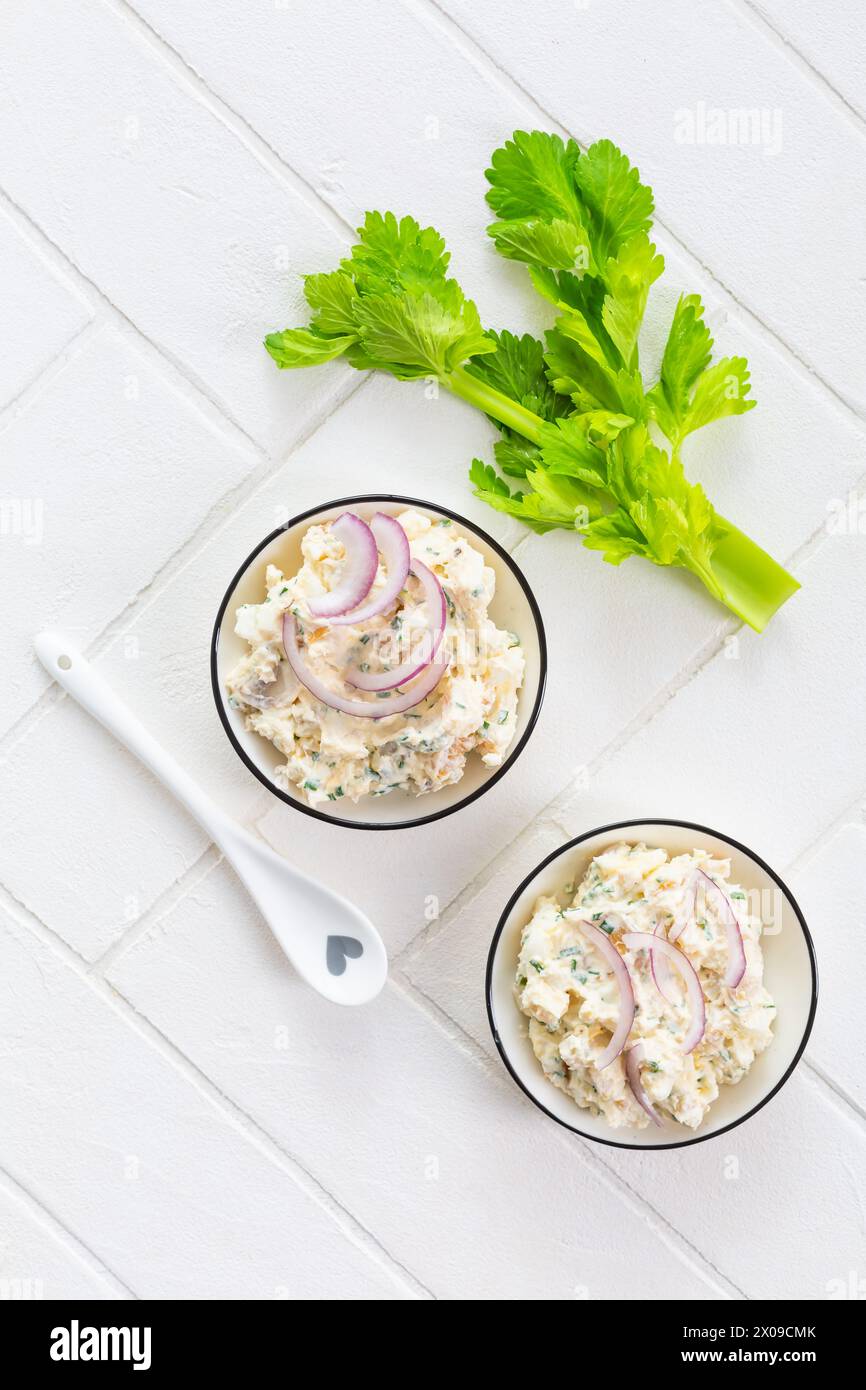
{"x":513,"y":608}
{"x":790,"y":974}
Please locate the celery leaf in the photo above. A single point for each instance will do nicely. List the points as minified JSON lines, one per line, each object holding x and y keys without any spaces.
{"x":422,"y":335}
{"x":689,"y":392}
{"x":619,"y":205}
{"x":305,"y":347}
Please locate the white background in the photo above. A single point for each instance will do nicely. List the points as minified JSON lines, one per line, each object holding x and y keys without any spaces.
{"x":178,"y":1115}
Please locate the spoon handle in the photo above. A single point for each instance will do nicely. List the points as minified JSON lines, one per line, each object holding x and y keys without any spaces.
{"x":318,"y":930}
{"x":69,"y":668}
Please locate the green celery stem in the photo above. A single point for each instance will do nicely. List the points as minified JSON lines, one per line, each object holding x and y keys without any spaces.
{"x":751,"y":583}
{"x":742,"y":576}
{"x":492,"y":402}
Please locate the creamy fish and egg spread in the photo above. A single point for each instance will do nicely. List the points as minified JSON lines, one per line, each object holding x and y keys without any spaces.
{"x":323,"y":689}
{"x":645,"y":994}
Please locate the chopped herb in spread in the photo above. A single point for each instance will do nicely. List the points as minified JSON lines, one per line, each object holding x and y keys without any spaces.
{"x":571,"y":993}
{"x":467,"y":713}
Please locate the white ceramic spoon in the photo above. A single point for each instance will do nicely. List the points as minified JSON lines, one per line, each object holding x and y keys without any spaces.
{"x":329,"y":942}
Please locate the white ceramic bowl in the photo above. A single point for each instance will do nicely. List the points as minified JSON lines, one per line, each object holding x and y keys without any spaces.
{"x":790,"y":975}
{"x":513,"y":608}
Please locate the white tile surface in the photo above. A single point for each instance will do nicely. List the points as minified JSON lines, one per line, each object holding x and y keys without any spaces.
{"x":427,"y":1166}
{"x":41,"y":313}
{"x":147,"y":192}
{"x":753,"y":208}
{"x":716,"y":1193}
{"x":112,"y":839}
{"x":117,"y":470}
{"x":146,"y":1168}
{"x":757,"y":743}
{"x":427,"y":127}
{"x":175,"y":173}
{"x":831,"y":890}
{"x":447,"y":963}
{"x":743,"y":1198}
{"x":36,"y":1261}
{"x":828,"y":39}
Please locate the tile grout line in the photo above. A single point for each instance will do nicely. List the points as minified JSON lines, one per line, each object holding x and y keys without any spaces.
{"x":472,"y":52}
{"x":854,"y":814}
{"x":20,"y":920}
{"x":814,"y":375}
{"x":195,"y":874}
{"x":230,"y":504}
{"x":706,"y":654}
{"x":103,"y":642}
{"x":670,"y":1235}
{"x":190,"y":79}
{"x":18,"y":404}
{"x":403,"y":961}
{"x":754,"y":14}
{"x":187,"y":881}
{"x":442,"y":22}
{"x":62,"y":1235}
{"x":825,"y":1082}
{"x":404,"y":984}
{"x":847,"y":409}
{"x":466,"y":895}
{"x":45,"y":259}
{"x":208,"y":530}
{"x":92,"y":973}
{"x":431,"y":13}
{"x":178,"y":375}
{"x":19,"y":912}
{"x":260,"y":1138}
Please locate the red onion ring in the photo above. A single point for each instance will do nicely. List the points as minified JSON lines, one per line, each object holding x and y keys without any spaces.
{"x":736,"y":951}
{"x":643,"y":940}
{"x":633,"y":1058}
{"x":434,"y":597}
{"x":662,"y":972}
{"x":359,"y":568}
{"x":364,"y":709}
{"x":605,"y":947}
{"x":394,"y":545}
{"x":686,"y":913}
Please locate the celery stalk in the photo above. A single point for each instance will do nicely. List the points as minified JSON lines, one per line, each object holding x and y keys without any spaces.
{"x":501,"y":408}
{"x":750,"y":582}
{"x":741,"y":575}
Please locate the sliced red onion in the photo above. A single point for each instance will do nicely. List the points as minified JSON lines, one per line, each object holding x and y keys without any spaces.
{"x":633,"y":1058}
{"x":736,"y":951}
{"x":644,"y":940}
{"x":359,"y":568}
{"x":662,"y":972}
{"x":686,"y":913}
{"x":434,"y":597}
{"x":605,"y":947}
{"x":365,"y":709}
{"x":394,"y":545}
